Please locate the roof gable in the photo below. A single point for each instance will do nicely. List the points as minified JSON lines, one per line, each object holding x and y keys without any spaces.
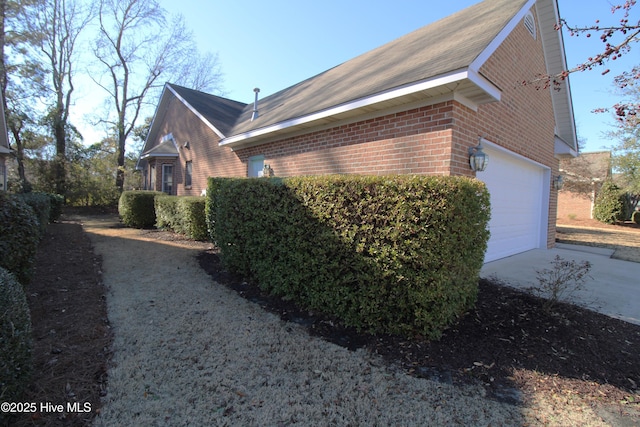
{"x":220,"y":113}
{"x":216,"y":112}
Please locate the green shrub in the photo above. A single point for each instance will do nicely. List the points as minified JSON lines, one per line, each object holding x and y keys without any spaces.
{"x":635,"y":217}
{"x":192,"y":213}
{"x":136,"y":208}
{"x":41,"y":205}
{"x":184,"y":215}
{"x":166,"y":210}
{"x":213,"y":188}
{"x":19,"y":236}
{"x":610,"y":203}
{"x":15,"y":339}
{"x":395,"y":254}
{"x":57,"y":203}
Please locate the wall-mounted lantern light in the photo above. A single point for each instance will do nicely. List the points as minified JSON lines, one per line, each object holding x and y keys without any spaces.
{"x":267,"y":171}
{"x":478,"y":159}
{"x":558,"y":182}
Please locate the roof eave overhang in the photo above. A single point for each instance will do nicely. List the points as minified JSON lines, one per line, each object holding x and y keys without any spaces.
{"x":564,"y":150}
{"x":153,"y":155}
{"x":467,"y":86}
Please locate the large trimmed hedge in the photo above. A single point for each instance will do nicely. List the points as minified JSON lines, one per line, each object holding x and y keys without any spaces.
{"x":136,"y":208}
{"x":182,"y":214}
{"x":15,"y":339}
{"x":397,"y":254}
{"x":19,"y":236}
{"x":41,"y":205}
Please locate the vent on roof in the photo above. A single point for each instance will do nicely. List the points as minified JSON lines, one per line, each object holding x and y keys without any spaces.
{"x":255,"y":105}
{"x":530,"y":24}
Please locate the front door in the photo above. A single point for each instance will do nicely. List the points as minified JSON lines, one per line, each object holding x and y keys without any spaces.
{"x":167,"y":179}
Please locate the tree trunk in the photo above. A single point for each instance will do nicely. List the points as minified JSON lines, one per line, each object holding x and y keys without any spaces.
{"x":120,"y":172}
{"x":61,"y":156}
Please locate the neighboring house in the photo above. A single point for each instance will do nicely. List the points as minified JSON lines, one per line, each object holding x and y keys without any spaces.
{"x":583,"y":177}
{"x":413,"y":106}
{"x":5,"y":151}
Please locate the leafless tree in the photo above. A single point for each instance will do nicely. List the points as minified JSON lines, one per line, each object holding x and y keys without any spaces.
{"x":56,"y":27}
{"x":139,"y":48}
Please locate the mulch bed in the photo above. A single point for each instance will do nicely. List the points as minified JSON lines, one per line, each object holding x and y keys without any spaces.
{"x":71,"y":335}
{"x":508,"y":343}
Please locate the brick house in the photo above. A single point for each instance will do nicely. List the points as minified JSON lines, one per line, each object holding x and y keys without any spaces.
{"x":583,"y":176}
{"x":413,"y":106}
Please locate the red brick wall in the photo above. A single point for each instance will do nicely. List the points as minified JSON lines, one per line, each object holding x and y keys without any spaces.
{"x":209,"y":159}
{"x":417,"y":141}
{"x":573,"y":206}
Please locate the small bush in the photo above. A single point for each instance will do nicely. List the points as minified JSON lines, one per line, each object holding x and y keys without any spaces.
{"x":184,"y":215}
{"x":19,"y":236}
{"x":136,"y":208}
{"x":57,"y":203}
{"x":561,"y":281}
{"x":610,"y":204}
{"x":635,"y":217}
{"x":193,"y":221}
{"x":166,"y":210}
{"x":15,"y":339}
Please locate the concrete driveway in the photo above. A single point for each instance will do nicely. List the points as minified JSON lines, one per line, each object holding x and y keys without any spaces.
{"x":612,"y":289}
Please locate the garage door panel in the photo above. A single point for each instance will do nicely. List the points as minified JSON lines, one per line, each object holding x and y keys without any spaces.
{"x":516,"y":188}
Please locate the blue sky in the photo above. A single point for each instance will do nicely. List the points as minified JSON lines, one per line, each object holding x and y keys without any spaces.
{"x":275,"y":44}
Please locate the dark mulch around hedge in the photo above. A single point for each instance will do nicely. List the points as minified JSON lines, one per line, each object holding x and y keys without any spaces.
{"x":508,"y":343}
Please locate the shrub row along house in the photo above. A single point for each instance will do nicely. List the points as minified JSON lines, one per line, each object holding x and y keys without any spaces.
{"x":413,"y":106}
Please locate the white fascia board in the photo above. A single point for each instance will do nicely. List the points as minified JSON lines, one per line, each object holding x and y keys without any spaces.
{"x":484,"y":84}
{"x":502,"y":35}
{"x":196,"y":112}
{"x":453,"y":77}
{"x":146,"y":156}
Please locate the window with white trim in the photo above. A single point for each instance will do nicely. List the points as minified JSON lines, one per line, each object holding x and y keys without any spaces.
{"x":188,"y":174}
{"x":167,"y":179}
{"x":255,"y":166}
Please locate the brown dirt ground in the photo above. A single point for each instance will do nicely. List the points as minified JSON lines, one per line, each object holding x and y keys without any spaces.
{"x":507,"y":342}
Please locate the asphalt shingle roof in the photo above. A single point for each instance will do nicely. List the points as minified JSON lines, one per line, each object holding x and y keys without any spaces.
{"x":220,"y":112}
{"x":450,"y":44}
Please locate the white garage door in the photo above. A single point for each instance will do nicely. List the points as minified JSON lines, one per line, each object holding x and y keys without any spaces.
{"x":519,"y":204}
